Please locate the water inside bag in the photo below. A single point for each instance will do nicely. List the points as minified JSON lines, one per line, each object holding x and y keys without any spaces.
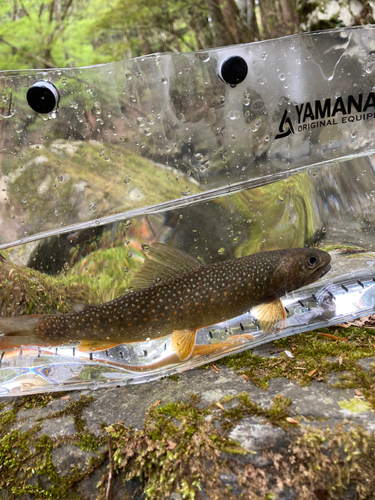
{"x":161,"y":149}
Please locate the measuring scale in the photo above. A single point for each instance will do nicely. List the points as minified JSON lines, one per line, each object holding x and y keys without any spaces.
{"x":220,"y":153}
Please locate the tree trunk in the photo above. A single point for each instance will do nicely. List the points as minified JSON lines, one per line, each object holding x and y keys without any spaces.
{"x":222,"y":36}
{"x":235,"y":23}
{"x":289,"y":14}
{"x":253,"y":24}
{"x":266,"y":33}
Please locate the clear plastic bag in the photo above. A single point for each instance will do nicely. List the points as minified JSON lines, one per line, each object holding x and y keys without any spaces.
{"x":163,"y":148}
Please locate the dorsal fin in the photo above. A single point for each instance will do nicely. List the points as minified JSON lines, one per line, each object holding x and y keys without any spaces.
{"x":163,"y":263}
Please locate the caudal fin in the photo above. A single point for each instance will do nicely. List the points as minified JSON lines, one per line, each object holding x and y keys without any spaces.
{"x":19,"y":330}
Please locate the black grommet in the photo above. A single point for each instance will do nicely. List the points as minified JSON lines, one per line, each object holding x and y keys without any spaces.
{"x":233,"y":70}
{"x":43,"y":97}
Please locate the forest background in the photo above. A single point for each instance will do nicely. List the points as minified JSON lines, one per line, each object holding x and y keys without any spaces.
{"x":72,"y":33}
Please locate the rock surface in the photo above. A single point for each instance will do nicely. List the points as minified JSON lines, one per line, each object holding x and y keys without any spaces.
{"x":72,"y":439}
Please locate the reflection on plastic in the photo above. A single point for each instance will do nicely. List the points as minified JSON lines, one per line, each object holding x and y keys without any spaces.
{"x":165,"y":130}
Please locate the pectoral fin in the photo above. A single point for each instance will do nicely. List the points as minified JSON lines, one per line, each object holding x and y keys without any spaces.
{"x":269,"y":314}
{"x":183,"y":343}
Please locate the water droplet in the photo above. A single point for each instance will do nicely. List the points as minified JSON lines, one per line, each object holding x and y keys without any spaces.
{"x":60,"y":177}
{"x":122,"y":138}
{"x":147,"y":131}
{"x":66,"y":266}
{"x":264,"y":56}
{"x":88,"y":89}
{"x":234,"y":115}
{"x":203,"y":56}
{"x":12,"y":216}
{"x":282,"y":76}
{"x":145,"y":247}
{"x":24,"y":200}
{"x":164,"y":80}
{"x":73,"y":105}
{"x":221,"y":251}
{"x":128,"y":76}
{"x":92,"y":207}
{"x":151,"y":119}
{"x":181,"y":117}
{"x":187,"y":192}
{"x":125,"y":269}
{"x":97,"y":107}
{"x":132,"y":98}
{"x":127,"y":180}
{"x":353,"y":134}
{"x":255,"y":126}
{"x":140,"y":122}
{"x":128,"y":223}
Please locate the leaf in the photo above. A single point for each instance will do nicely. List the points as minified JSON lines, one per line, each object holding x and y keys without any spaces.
{"x":171,"y":445}
{"x":292,"y":421}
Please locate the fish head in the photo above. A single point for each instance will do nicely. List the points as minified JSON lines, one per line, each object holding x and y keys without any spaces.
{"x":298,"y":267}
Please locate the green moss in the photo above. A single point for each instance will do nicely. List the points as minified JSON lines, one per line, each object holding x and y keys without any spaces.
{"x":89,"y":441}
{"x":171,"y":451}
{"x":40,"y":400}
{"x":26,"y":291}
{"x":276,"y":414}
{"x":107,"y":272}
{"x":348,"y":248}
{"x":355,"y":406}
{"x":315,"y":357}
{"x":75,"y":409}
{"x":184,"y":447}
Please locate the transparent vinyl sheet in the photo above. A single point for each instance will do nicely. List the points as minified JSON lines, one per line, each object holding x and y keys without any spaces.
{"x":162,"y":149}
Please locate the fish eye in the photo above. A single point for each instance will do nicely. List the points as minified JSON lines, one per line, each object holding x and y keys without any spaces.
{"x":312,"y":261}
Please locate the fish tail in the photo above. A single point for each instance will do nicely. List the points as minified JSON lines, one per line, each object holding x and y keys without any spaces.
{"x":19,"y":330}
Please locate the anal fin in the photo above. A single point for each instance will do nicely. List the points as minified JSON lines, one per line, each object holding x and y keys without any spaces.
{"x":18,"y":341}
{"x":96,"y":345}
{"x":269,"y":314}
{"x":183,"y":343}
{"x":222,"y":347}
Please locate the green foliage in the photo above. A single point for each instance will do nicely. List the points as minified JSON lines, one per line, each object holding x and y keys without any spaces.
{"x":69,"y":33}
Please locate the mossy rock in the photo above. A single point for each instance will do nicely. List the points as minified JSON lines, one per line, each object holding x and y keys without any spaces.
{"x":207,"y":433}
{"x":26,"y":291}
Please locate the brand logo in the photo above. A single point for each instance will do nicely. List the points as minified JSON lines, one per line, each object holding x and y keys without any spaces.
{"x":285,"y":121}
{"x":326,"y":112}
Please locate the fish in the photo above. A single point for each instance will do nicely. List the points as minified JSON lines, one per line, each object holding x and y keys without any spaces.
{"x":175,"y":295}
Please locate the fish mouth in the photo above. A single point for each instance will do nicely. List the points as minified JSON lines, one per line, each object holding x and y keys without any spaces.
{"x":317,"y":274}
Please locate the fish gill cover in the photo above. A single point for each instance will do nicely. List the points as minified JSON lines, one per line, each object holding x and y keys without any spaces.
{"x":217,"y":154}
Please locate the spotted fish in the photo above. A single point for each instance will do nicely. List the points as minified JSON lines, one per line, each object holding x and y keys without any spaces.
{"x":175,"y":295}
